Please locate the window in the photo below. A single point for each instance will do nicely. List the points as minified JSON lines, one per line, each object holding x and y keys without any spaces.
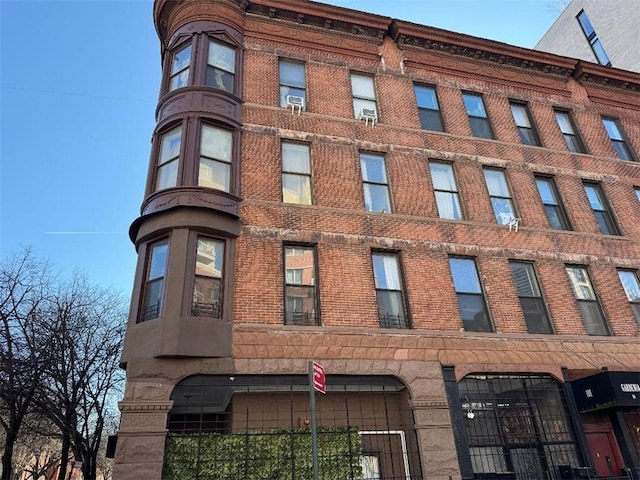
{"x":556,"y":215}
{"x":364,"y":96}
{"x":475,"y":317}
{"x":296,"y":173}
{"x":207,"y":286}
{"x":389,"y":291}
{"x":300,"y":286}
{"x":615,"y":134}
{"x":215,"y":158}
{"x":221,"y":66}
{"x":594,"y":42}
{"x":154,"y":283}
{"x":535,"y":313}
{"x":446,"y":191}
{"x":180,"y":68}
{"x":375,"y":184}
{"x":631,"y":285}
{"x":478,"y":119}
{"x":292,"y":83}
{"x":428,"y":108}
{"x":601,"y":209}
{"x":526,"y":129}
{"x":587,"y":301}
{"x":637,"y":189}
{"x":500,"y":195}
{"x":168,"y":160}
{"x":568,"y":129}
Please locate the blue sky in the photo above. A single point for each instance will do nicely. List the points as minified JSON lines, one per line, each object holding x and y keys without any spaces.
{"x":79,"y":85}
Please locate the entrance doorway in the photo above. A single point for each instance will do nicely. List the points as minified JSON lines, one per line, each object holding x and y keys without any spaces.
{"x":605,"y":453}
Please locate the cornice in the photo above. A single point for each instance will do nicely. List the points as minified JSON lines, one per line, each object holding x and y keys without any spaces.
{"x":593,"y":73}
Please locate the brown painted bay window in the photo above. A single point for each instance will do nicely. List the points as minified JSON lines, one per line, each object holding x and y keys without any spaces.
{"x":300,"y":300}
{"x":155,"y":274}
{"x":208,"y":278}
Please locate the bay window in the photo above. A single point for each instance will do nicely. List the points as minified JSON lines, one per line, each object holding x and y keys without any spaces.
{"x":156,"y":270}
{"x":168,"y":159}
{"x":221,"y":66}
{"x":180,"y":66}
{"x":207,"y":285}
{"x":215,"y":158}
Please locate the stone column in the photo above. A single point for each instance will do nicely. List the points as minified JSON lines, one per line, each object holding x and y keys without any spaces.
{"x":141,"y":439}
{"x":435,"y":439}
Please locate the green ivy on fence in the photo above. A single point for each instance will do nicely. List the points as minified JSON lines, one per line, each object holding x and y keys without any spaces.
{"x":264,"y":455}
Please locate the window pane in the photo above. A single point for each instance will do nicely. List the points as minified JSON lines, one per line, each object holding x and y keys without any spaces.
{"x":386,"y":272}
{"x":376,"y":198}
{"x":152,"y":299}
{"x":601,"y":55}
{"x":592,"y":317}
{"x":359,"y":105}
{"x":528,"y":136}
{"x":474,"y":105}
{"x":292,"y":74}
{"x":594,"y":197}
{"x":180,"y":80}
{"x":622,"y":151}
{"x":220,"y":79}
{"x":496,"y":183}
{"x":213,"y":174}
{"x":170,"y":145}
{"x":503,"y":209}
{"x":291,"y":91}
{"x":426,"y":97}
{"x":638,"y":193}
{"x":391,"y":309}
{"x":448,"y":205}
{"x":295,"y":158}
{"x":207,"y":297}
{"x":181,"y":59}
{"x":442,"y":176}
{"x":465,"y":276}
{"x":216,"y":143}
{"x":296,"y":189}
{"x":524,"y":279}
{"x":630,"y":284}
{"x":373,"y":168}
{"x":300,"y":306}
{"x":474,"y":313}
{"x":301,"y":259}
{"x":520,"y":115}
{"x":167,"y":175}
{"x":564,"y":123}
{"x":158,"y":262}
{"x":535,"y":315}
{"x":586,"y":24}
{"x":362,"y":86}
{"x":209,"y":257}
{"x":612,"y":129}
{"x":546,"y":193}
{"x":222,"y":57}
{"x":573,"y":144}
{"x":430,"y":120}
{"x":581,"y":284}
{"x":480,"y":127}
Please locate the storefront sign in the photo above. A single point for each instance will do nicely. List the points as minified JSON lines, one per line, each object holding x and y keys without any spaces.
{"x":607,"y":390}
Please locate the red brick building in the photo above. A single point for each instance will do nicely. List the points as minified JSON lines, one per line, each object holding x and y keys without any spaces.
{"x":449,"y":225}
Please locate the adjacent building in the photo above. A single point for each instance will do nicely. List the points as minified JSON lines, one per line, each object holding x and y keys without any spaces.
{"x":449,"y":225}
{"x":604,"y":32}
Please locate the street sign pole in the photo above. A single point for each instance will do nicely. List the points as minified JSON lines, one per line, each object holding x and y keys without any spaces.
{"x":314,"y":428}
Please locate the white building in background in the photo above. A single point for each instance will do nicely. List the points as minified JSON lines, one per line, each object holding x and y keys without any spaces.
{"x":598,"y":31}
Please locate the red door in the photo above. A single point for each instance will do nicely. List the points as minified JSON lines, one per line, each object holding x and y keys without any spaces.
{"x":605,"y":453}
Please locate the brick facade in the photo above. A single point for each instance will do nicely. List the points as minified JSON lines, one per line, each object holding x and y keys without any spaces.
{"x":251,"y":337}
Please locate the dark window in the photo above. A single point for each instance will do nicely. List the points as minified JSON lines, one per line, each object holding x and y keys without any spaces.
{"x":500,"y":195}
{"x":590,"y":309}
{"x":556,"y":215}
{"x":631,"y":285}
{"x":375,"y":183}
{"x":221,"y":66}
{"x":389,"y":291}
{"x":473,"y":309}
{"x":207,"y":285}
{"x":637,"y":189}
{"x":446,"y":191}
{"x":154,"y":280}
{"x":601,"y":209}
{"x":300,"y":286}
{"x":364,"y":97}
{"x":296,"y":173}
{"x":478,"y":118}
{"x":168,"y":159}
{"x":428,"y":108}
{"x":619,"y":143}
{"x":526,"y":128}
{"x":293,"y":91}
{"x":216,"y":149}
{"x":180,"y":64}
{"x":517,"y":426}
{"x":569,"y":132}
{"x":533,"y":308}
{"x":592,"y":38}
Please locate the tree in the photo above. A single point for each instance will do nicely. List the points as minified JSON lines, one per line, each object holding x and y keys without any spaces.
{"x":81,"y":379}
{"x":24,"y":340}
{"x":556,"y":7}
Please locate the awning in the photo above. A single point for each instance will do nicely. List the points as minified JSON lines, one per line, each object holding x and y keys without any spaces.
{"x":607,"y":390}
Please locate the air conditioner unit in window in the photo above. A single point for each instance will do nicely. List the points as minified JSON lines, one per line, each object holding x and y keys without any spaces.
{"x":368,"y":115}
{"x":295,"y":102}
